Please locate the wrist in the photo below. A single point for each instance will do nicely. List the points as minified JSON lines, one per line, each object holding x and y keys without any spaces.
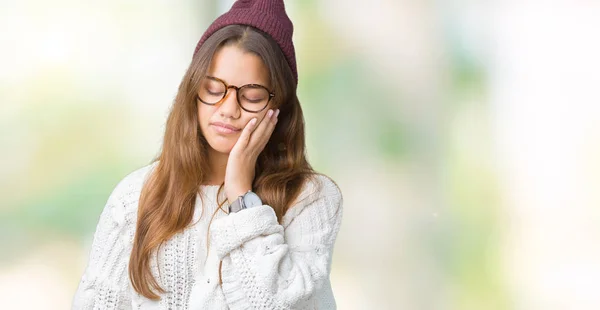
{"x":247,"y":200}
{"x":236,"y":194}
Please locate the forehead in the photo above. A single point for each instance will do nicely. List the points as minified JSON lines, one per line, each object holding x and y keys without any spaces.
{"x":238,"y":67}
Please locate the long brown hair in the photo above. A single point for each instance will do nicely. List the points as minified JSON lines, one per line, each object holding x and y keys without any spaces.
{"x":168,"y":197}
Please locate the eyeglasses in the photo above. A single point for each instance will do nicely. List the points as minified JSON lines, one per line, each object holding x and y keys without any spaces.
{"x":250,"y":97}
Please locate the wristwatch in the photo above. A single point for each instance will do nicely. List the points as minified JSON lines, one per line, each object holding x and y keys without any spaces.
{"x":248,"y":200}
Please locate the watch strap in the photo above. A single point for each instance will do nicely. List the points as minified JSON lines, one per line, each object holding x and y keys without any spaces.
{"x":237,"y":205}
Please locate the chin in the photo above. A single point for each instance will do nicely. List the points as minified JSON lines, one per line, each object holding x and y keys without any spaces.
{"x":221,"y":146}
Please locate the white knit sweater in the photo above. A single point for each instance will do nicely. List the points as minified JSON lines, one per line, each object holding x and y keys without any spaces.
{"x":265,"y":265}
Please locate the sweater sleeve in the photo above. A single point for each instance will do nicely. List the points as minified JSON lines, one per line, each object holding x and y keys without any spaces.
{"x":271,"y":266}
{"x":105,"y":282}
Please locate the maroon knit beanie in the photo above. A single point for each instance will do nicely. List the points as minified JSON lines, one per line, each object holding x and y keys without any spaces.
{"x":266,"y":15}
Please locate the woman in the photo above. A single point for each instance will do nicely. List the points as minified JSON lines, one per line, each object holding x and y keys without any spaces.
{"x":230,"y":215}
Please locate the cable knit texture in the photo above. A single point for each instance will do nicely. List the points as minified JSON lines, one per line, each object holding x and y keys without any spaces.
{"x":265,"y":265}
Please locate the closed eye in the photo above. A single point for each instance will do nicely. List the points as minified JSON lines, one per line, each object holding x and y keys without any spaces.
{"x":253,"y":100}
{"x":214,"y":93}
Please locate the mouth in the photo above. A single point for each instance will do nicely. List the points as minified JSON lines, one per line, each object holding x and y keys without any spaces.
{"x":224,"y":128}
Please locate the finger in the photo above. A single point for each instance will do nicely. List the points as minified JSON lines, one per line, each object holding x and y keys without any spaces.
{"x":267,"y":123}
{"x":272,"y":123}
{"x":261,"y":127}
{"x":247,"y":132}
{"x":269,"y":131}
{"x":262,"y":133}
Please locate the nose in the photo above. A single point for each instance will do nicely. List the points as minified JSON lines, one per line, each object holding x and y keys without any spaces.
{"x":229,"y":106}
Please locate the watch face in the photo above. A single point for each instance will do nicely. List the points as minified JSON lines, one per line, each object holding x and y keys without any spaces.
{"x":252,"y":200}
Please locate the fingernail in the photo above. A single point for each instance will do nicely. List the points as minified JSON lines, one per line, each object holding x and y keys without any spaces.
{"x":269,"y":113}
{"x":277,"y":113}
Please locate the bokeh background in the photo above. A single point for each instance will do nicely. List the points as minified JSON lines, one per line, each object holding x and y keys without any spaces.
{"x":465,"y":136}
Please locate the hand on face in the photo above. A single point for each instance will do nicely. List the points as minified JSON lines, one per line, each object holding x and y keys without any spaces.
{"x":239,"y":173}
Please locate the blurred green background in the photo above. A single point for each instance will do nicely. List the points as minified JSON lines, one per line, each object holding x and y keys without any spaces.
{"x":465,"y":136}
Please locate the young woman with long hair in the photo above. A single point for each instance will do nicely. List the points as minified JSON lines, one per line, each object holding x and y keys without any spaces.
{"x":230,"y":215}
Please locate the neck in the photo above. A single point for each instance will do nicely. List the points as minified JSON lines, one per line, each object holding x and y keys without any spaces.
{"x":218,"y":164}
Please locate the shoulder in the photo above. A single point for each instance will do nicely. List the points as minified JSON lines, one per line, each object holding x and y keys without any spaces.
{"x":320,"y":186}
{"x":119,"y":215}
{"x":319,"y":191}
{"x":128,"y":189}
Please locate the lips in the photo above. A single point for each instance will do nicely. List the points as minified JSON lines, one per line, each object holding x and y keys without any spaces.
{"x":223,"y":128}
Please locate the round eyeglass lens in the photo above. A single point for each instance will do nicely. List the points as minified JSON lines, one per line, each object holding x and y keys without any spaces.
{"x":211,"y":91}
{"x":253,"y":98}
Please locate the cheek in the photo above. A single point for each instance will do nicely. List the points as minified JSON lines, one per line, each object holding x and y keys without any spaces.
{"x":203,"y":119}
{"x":204,"y":113}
